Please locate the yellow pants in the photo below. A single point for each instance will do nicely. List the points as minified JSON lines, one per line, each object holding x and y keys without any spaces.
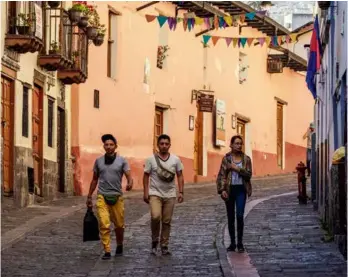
{"x":106,"y":215}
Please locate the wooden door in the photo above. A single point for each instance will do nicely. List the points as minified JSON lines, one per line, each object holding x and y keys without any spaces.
{"x":37,"y":138}
{"x":241,"y":131}
{"x":158,"y":128}
{"x":198,"y":143}
{"x":61,"y":150}
{"x":280,"y":134}
{"x":7,"y":126}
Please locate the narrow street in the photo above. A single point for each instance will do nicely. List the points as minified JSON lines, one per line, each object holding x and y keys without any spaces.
{"x":56,"y":248}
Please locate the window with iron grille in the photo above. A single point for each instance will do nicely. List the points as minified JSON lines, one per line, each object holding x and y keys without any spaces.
{"x":96,"y":99}
{"x":25,"y":112}
{"x":50,"y":122}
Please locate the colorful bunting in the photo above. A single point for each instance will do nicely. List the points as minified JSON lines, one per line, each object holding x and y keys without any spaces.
{"x":215,"y":39}
{"x":243,"y":41}
{"x":228,"y":41}
{"x":161,"y":20}
{"x":150,"y":18}
{"x":250,"y":41}
{"x":206,"y":39}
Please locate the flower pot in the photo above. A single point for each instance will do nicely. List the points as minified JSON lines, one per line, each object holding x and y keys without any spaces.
{"x":53,"y":4}
{"x":74,"y":15}
{"x":23,"y":30}
{"x":92,"y":32}
{"x":83,"y":22}
{"x":99,"y":40}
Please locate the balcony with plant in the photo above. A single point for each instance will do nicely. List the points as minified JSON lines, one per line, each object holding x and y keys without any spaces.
{"x":24,"y":32}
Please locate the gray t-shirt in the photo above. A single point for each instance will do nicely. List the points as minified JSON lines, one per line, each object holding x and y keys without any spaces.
{"x":157,"y":186}
{"x":110,"y":175}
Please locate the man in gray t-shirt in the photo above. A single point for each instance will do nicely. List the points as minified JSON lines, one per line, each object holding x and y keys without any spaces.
{"x":107,"y":174}
{"x":161,"y":194}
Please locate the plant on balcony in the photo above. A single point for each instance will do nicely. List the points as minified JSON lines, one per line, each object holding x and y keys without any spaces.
{"x":76,"y":11}
{"x":75,"y":55}
{"x":54,"y":48}
{"x":161,"y":55}
{"x":93,"y":23}
{"x":99,"y":40}
{"x":24,"y":24}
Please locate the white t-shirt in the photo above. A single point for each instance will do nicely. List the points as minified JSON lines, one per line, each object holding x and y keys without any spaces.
{"x":157,"y":186}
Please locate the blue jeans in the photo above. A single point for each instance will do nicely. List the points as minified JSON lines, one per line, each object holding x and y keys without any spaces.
{"x":236,"y":201}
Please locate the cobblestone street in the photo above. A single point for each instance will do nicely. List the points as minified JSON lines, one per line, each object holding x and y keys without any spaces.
{"x":56,"y":249}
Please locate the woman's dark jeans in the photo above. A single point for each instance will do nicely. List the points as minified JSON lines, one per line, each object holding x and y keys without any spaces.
{"x":237,"y":198}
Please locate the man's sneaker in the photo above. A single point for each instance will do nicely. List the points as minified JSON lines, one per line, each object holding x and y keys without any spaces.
{"x":240,"y":248}
{"x":231,"y":248}
{"x":119,"y":250}
{"x":107,"y":256}
{"x":165,"y":251}
{"x":154,"y":248}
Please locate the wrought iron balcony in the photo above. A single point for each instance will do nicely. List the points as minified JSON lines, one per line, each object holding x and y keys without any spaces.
{"x":78,"y":73}
{"x":57,"y":51}
{"x":24,"y":26}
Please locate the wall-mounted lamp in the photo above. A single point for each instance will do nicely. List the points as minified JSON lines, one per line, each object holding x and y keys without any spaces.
{"x":191,"y":122}
{"x":233,"y":121}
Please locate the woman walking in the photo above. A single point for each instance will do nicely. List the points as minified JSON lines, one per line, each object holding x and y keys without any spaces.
{"x":233,"y":184}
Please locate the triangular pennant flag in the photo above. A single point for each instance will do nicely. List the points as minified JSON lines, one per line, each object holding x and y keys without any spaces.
{"x":279,"y":40}
{"x":228,"y":20}
{"x":250,"y":41}
{"x":221,"y":22}
{"x":268,"y":41}
{"x":288,"y":39}
{"x":207,"y":22}
{"x":211,"y":22}
{"x":243,"y":41}
{"x":293,"y":37}
{"x":185,"y":23}
{"x":275,"y":40}
{"x":242,"y":18}
{"x":206,"y":38}
{"x":192,"y":22}
{"x":172,"y":23}
{"x":199,"y":21}
{"x":261,"y":41}
{"x":150,"y":18}
{"x":216,"y":22}
{"x":283,"y":39}
{"x":250,"y":15}
{"x":179,"y":19}
{"x":189,"y":24}
{"x":235,"y":41}
{"x":215,"y":39}
{"x":228,"y":41}
{"x":161,"y":20}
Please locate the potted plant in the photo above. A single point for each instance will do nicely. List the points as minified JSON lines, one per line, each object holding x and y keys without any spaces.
{"x":99,"y":40}
{"x":53,"y":4}
{"x":24,"y":24}
{"x":93,"y":24}
{"x":161,"y":55}
{"x":76,"y":11}
{"x":54,"y":48}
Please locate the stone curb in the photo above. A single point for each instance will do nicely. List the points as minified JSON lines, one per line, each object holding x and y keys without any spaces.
{"x":13,"y":236}
{"x":226,"y":263}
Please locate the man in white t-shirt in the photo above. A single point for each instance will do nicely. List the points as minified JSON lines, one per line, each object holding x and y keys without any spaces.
{"x":160,"y":191}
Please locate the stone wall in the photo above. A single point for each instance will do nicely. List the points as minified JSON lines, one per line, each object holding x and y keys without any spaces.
{"x":50,"y":186}
{"x":23,"y":160}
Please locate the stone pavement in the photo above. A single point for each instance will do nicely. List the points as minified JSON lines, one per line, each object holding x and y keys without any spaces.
{"x":54,"y":247}
{"x":284,"y":239}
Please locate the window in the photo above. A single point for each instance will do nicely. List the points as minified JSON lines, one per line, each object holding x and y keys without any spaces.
{"x":158,"y":128}
{"x":112,"y":45}
{"x":25,"y":112}
{"x":50,"y":122}
{"x":96,"y":99}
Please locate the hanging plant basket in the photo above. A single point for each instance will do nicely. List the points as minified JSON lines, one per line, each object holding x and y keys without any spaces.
{"x":53,"y":4}
{"x":99,"y":40}
{"x":92,"y":32}
{"x":74,"y":15}
{"x":83,"y":22}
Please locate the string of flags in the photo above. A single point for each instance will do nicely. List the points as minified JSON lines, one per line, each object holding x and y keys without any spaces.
{"x":243,"y":41}
{"x":210,"y":22}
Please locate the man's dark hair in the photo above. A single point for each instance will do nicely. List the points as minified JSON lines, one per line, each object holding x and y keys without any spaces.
{"x":233,"y":139}
{"x":163,"y":136}
{"x":106,"y":137}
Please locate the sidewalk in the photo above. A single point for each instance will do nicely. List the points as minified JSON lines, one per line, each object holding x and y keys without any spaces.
{"x":284,"y":239}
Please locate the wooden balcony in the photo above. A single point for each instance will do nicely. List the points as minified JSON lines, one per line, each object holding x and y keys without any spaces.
{"x":24,"y":27}
{"x":78,"y":73}
{"x":57,"y":51}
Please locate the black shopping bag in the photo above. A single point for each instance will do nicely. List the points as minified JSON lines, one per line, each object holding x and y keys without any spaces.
{"x":90,"y":226}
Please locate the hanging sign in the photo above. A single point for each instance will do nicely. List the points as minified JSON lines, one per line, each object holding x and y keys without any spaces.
{"x":206,"y":103}
{"x":220,"y":124}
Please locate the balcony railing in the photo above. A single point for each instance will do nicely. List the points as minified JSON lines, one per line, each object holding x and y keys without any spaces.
{"x":24,"y":26}
{"x":57,"y":51}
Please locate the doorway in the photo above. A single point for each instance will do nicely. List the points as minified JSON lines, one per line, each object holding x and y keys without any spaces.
{"x":61,"y":150}
{"x":37,"y":128}
{"x":7,"y":133}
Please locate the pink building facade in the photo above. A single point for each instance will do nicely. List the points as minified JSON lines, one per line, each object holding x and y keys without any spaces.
{"x":129,"y":95}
